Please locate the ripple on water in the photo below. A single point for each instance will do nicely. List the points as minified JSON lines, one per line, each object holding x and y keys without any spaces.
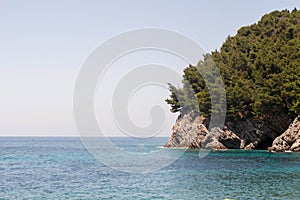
{"x":60,"y":168}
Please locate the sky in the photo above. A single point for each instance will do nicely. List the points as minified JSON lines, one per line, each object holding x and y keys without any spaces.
{"x":43,"y":45}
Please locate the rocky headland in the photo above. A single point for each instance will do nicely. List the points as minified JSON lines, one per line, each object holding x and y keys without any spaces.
{"x":275,"y":134}
{"x":259,"y":68}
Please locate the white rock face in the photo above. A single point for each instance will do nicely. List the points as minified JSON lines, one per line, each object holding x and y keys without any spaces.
{"x":190,"y":131}
{"x":289,"y":140}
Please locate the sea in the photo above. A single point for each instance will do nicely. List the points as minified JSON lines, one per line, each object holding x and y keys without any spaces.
{"x":62,"y":168}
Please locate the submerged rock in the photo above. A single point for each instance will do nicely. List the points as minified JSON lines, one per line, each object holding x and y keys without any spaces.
{"x":289,"y":140}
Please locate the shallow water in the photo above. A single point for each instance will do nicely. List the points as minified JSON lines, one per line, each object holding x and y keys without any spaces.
{"x":61,"y":168}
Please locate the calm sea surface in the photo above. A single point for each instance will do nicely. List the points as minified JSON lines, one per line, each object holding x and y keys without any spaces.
{"x":61,"y":168}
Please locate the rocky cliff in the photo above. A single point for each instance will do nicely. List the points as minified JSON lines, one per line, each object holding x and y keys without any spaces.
{"x":259,"y":69}
{"x":190,"y":131}
{"x":289,"y":140}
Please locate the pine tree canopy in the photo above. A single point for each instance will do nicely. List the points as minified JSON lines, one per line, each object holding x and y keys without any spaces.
{"x":260,"y":68}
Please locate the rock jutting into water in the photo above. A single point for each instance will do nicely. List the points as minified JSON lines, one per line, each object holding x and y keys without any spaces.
{"x":289,"y":140}
{"x":190,"y":131}
{"x":259,"y":70}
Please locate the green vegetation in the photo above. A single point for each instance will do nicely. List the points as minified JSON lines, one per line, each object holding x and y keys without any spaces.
{"x":260,"y":68}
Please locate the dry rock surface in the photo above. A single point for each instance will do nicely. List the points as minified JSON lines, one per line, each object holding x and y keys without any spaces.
{"x":289,"y":140}
{"x":190,"y":131}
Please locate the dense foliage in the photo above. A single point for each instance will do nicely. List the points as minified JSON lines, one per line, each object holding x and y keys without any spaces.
{"x":260,"y":67}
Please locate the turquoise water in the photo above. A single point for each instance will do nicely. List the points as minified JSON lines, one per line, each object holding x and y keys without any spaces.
{"x":61,"y":168}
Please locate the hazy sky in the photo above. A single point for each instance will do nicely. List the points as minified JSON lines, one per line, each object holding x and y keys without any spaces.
{"x":44,"y":43}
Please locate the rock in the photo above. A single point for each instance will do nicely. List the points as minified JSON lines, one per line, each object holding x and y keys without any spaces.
{"x":257,"y":134}
{"x":191,"y":131}
{"x":296,"y":146}
{"x":210,"y":141}
{"x":289,"y":140}
{"x":243,"y":144}
{"x":250,"y":146}
{"x":229,"y":139}
{"x":188,"y":132}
